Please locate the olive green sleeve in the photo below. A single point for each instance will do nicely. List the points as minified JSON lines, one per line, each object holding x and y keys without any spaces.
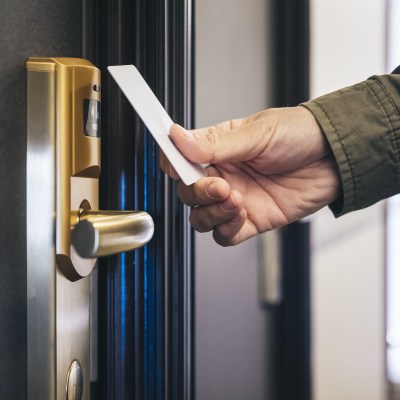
{"x":362,"y":126}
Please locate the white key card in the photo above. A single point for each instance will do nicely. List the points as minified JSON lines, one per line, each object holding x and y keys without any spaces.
{"x":156,"y":119}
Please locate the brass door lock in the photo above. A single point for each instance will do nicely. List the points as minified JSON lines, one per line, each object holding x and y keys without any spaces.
{"x":73,"y":89}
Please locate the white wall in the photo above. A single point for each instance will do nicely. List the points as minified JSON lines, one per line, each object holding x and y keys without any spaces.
{"x":348,"y":254}
{"x":231,"y":82}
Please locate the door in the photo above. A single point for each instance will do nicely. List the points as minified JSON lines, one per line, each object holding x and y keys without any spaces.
{"x":141,"y":302}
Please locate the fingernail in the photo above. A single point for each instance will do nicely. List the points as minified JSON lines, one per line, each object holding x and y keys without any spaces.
{"x":213,"y":190}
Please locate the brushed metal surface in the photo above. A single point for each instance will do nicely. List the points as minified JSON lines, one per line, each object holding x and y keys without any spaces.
{"x":103,"y":233}
{"x":72,"y":331}
{"x":58,"y":309}
{"x":41,"y":276}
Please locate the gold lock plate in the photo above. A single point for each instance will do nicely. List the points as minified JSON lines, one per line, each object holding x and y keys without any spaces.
{"x":77,"y":105}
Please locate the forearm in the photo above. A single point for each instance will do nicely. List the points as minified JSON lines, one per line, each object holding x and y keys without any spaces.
{"x":362,"y":126}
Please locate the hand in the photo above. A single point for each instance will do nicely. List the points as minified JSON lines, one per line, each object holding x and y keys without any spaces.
{"x":267,"y":170}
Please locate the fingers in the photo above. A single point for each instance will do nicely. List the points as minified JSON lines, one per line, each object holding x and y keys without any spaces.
{"x":205,"y":191}
{"x":231,"y":232}
{"x":232,"y":141}
{"x":206,"y":218}
{"x":235,"y":140}
{"x":215,"y":208}
{"x":227,"y":225}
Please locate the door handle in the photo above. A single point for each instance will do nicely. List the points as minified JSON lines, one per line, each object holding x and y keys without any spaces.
{"x":103,"y":233}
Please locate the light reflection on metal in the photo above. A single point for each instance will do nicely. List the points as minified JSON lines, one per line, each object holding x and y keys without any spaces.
{"x":103,"y":233}
{"x":74,"y":386}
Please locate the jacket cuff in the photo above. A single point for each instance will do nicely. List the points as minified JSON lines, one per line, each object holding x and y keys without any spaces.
{"x":362,"y":126}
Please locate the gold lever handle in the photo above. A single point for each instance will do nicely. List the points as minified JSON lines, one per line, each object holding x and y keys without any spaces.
{"x":102,"y":233}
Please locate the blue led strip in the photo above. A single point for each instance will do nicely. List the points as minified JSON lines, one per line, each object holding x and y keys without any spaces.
{"x":123,"y":278}
{"x":123,"y":191}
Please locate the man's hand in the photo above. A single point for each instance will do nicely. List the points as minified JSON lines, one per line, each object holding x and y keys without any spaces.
{"x":267,"y":170}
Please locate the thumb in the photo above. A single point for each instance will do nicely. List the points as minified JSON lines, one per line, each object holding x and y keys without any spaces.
{"x":232,"y":141}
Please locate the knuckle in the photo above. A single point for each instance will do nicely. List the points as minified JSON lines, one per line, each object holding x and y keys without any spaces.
{"x":212,"y":140}
{"x":225,"y":237}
